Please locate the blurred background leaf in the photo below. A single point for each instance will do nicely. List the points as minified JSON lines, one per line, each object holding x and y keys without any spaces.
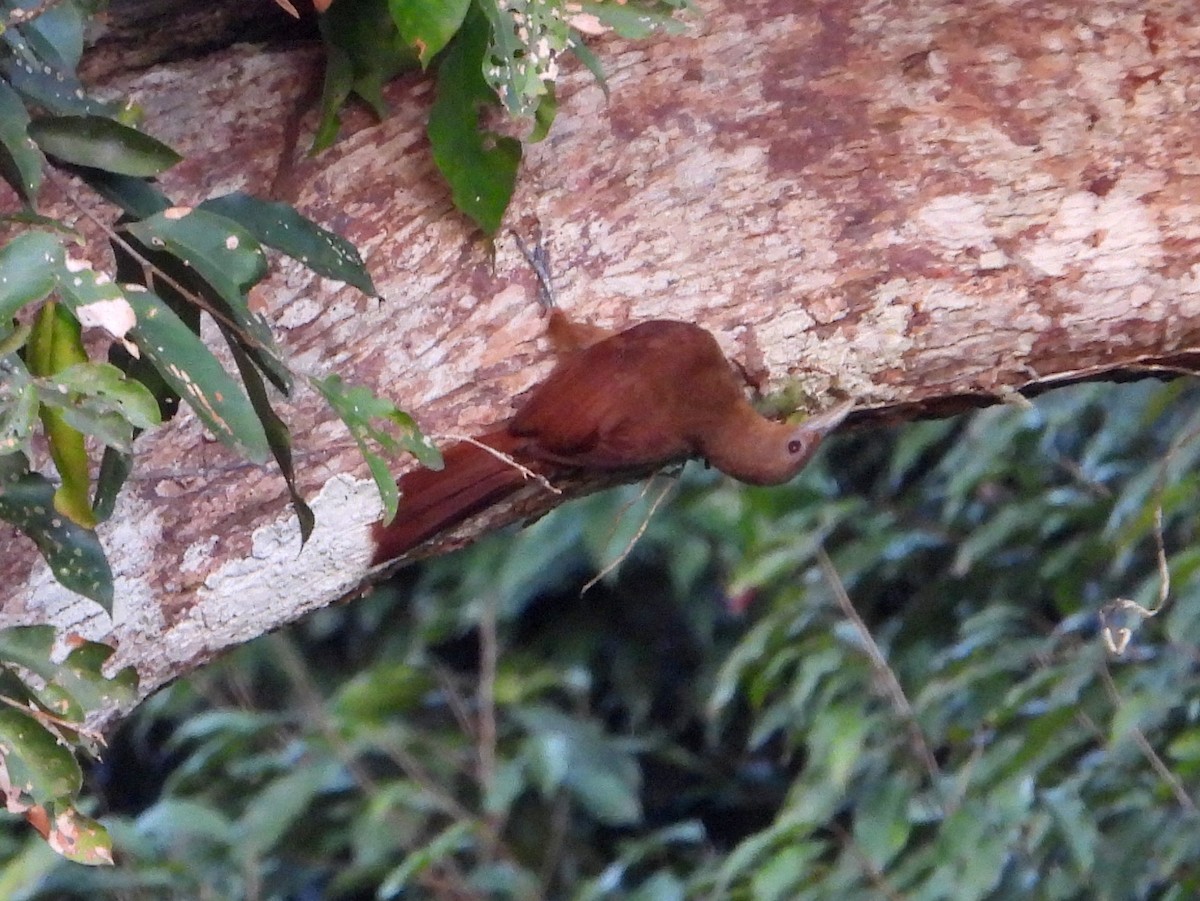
{"x":705,"y":722}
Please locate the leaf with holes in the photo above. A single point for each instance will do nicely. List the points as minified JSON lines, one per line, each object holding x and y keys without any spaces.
{"x":28,"y":272}
{"x":217,"y":258}
{"x":79,"y":838}
{"x":222,"y":252}
{"x":18,"y":406}
{"x":34,"y":767}
{"x":521,"y":61}
{"x":76,"y":685}
{"x":637,"y":21}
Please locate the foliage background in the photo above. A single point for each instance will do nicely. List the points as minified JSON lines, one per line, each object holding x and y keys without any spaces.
{"x":707,"y":722}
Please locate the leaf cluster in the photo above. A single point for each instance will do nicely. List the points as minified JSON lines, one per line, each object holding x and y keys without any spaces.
{"x":42,"y":708}
{"x":175,"y":267}
{"x":489,"y":56}
{"x":172,"y":267}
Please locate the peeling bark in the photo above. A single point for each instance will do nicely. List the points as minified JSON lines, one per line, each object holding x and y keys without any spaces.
{"x":925,"y":205}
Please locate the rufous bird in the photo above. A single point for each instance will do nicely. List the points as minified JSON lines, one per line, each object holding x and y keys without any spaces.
{"x":657,"y":393}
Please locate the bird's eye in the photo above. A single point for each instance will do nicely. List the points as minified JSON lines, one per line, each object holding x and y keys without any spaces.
{"x":794,"y":447}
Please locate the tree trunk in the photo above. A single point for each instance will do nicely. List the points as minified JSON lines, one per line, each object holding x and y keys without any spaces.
{"x":923,"y":205}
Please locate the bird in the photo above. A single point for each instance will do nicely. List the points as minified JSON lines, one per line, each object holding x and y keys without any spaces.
{"x":657,"y":393}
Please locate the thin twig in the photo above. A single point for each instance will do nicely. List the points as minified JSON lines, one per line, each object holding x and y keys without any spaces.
{"x":895,"y":690}
{"x":500,"y":455}
{"x":24,"y":16}
{"x":459,"y":708}
{"x":1143,"y":743}
{"x":317,"y":715}
{"x":489,"y":656}
{"x":1118,"y":640}
{"x":47,"y":718}
{"x":637,"y":536}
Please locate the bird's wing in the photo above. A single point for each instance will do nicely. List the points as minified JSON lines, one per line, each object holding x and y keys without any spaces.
{"x":599,"y":409}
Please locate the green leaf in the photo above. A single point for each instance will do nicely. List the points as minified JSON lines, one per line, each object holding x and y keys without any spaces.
{"x":20,"y":160}
{"x":222,"y":261}
{"x":99,"y":400}
{"x":173,"y":822}
{"x":278,"y":436}
{"x":543,"y":116}
{"x":881,"y":825}
{"x":102,"y":143}
{"x":280,"y":226}
{"x":56,"y":343}
{"x":590,"y":61}
{"x":34,"y":68}
{"x":81,"y":286}
{"x":521,"y":61}
{"x":428,"y":25}
{"x":115,"y":467}
{"x":73,"y":553}
{"x":452,"y":839}
{"x":58,"y":34}
{"x":28,"y":272}
{"x":384,"y":691}
{"x":633,"y":21}
{"x":278,"y":807}
{"x":39,"y":768}
{"x":364,"y":50}
{"x":79,"y":838}
{"x":1076,"y":823}
{"x":112,"y":388}
{"x":75,"y":686}
{"x":222,"y":252}
{"x":480,"y":167}
{"x":338,"y":85}
{"x":191,"y":370}
{"x":136,"y":196}
{"x":358,"y":407}
{"x":576,"y":755}
{"x":662,"y":886}
{"x":18,"y":406}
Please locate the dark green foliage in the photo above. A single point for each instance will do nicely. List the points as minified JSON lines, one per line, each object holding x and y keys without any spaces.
{"x":102,"y":143}
{"x":708,"y":722}
{"x":41,"y":722}
{"x":479,"y":166}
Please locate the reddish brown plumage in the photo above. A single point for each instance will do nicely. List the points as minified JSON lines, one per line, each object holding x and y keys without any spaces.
{"x":656,"y":393}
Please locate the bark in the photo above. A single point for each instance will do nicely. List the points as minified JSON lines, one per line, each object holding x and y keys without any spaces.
{"x":924,"y":205}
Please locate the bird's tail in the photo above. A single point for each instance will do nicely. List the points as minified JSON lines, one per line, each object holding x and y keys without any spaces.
{"x":432,"y":500}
